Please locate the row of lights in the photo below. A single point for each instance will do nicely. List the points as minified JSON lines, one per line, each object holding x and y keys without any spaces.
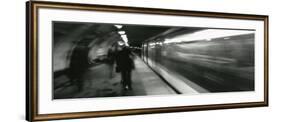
{"x":122,"y":34}
{"x":156,"y":43}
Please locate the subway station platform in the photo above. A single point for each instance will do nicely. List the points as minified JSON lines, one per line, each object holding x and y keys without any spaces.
{"x":99,"y":82}
{"x":192,"y":60}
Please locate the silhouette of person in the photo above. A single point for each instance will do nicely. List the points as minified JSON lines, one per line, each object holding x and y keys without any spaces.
{"x":110,"y":60}
{"x":125,"y":63}
{"x":78,"y":65}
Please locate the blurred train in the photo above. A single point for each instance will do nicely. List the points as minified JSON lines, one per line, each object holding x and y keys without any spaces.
{"x":218,"y":60}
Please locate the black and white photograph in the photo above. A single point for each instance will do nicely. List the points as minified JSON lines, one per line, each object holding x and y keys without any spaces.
{"x":100,"y":60}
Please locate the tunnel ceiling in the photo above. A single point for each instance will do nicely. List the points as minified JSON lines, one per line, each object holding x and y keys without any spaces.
{"x":137,"y":34}
{"x":64,"y":28}
{"x":76,"y":30}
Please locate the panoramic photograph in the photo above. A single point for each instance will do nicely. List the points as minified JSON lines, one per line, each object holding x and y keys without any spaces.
{"x":101,"y":60}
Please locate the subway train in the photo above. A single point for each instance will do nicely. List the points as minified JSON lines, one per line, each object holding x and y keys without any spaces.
{"x":211,"y":60}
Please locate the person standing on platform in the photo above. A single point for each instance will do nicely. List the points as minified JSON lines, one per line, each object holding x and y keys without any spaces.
{"x":110,"y":60}
{"x":125,"y":65}
{"x":78,"y":65}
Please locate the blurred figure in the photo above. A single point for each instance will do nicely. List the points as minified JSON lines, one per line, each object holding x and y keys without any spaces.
{"x":78,"y":65}
{"x":125,"y":64}
{"x":110,"y":59}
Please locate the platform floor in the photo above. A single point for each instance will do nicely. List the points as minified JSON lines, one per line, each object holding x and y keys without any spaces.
{"x":99,"y":83}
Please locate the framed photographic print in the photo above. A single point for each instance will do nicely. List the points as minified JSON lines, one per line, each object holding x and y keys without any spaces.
{"x":86,"y":60}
